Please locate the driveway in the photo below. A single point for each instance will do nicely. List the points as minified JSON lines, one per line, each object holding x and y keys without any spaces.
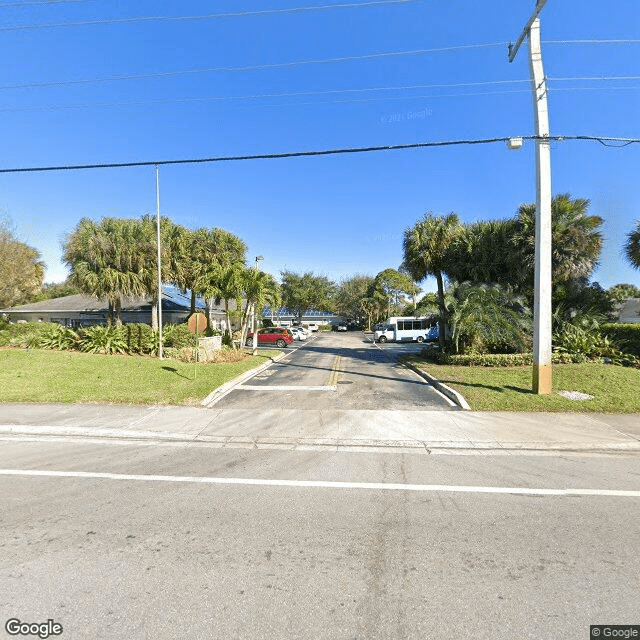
{"x":338,"y":371}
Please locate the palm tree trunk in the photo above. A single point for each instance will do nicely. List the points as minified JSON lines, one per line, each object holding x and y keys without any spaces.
{"x":443,"y":311}
{"x":154,"y":312}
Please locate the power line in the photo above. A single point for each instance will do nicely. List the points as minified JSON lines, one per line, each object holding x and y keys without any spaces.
{"x":260,"y":67}
{"x":262,"y":96}
{"x":605,"y":140}
{"x":211,"y":16}
{"x":41,"y":3}
{"x":327,"y":92}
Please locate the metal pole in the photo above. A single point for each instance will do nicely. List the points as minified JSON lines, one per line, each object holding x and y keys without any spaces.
{"x":159,"y":262}
{"x":542,"y":368}
{"x":255,"y":329}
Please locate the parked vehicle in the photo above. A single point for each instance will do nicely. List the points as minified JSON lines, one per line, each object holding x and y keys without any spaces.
{"x":299,"y":333}
{"x":272,"y":335}
{"x":311,"y":326}
{"x":406,"y":329}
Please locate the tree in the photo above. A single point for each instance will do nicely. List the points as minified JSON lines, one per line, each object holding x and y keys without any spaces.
{"x":621,"y":292}
{"x":391,"y":285}
{"x":172,"y":243}
{"x":51,"y":290}
{"x":260,"y":289}
{"x":106,"y":261}
{"x":427,"y":251}
{"x":632,"y":246}
{"x":21,"y":269}
{"x":349,"y":295}
{"x":301,"y":293}
{"x":484,"y":317}
{"x":576,"y":239}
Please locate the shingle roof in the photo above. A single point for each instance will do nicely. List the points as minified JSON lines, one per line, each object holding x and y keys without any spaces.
{"x":84,"y":303}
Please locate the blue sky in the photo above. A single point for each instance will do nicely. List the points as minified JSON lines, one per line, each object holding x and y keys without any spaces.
{"x":336,"y":215}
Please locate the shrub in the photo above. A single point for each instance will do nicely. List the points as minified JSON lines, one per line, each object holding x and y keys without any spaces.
{"x":141,"y":338}
{"x":54,"y":336}
{"x":101,"y":339}
{"x":498,"y":359}
{"x":178,"y":336}
{"x":5,"y":338}
{"x":625,"y":336}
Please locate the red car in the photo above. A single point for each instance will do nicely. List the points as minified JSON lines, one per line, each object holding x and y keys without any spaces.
{"x":272,"y":335}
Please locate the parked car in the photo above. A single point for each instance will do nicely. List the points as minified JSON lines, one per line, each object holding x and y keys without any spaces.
{"x":299,"y":333}
{"x":272,"y":335}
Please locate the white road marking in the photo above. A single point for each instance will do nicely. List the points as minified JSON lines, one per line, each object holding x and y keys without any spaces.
{"x":320,"y":484}
{"x":286,"y":387}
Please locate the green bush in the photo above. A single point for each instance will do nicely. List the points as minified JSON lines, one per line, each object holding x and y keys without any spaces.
{"x":28,"y":334}
{"x":5,"y":338}
{"x":103,"y":339}
{"x":141,"y":338}
{"x":625,"y":336}
{"x":178,"y":336}
{"x":54,"y":336}
{"x":498,"y":359}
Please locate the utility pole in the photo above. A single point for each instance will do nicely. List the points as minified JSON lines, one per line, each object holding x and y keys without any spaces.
{"x":542,"y":368}
{"x":159,"y":263}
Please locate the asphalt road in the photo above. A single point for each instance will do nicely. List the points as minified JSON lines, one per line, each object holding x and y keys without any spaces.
{"x":157,"y":547}
{"x":339,"y":371}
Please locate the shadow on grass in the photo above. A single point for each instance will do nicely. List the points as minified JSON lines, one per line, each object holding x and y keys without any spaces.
{"x":506,"y":387}
{"x":520,"y":389}
{"x":472,"y":384}
{"x":174,"y":370}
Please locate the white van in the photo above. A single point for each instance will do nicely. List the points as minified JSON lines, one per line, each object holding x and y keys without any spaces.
{"x":406,"y":329}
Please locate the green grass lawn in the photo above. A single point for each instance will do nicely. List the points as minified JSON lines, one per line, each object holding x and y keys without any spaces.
{"x":614,"y":389}
{"x":71,"y":377}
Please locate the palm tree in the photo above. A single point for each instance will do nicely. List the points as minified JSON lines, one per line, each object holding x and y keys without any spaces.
{"x":632,"y":247}
{"x":487,"y":314}
{"x":172,"y":240}
{"x":576,"y":240}
{"x":260,"y":289}
{"x":427,"y":248}
{"x":103,"y":261}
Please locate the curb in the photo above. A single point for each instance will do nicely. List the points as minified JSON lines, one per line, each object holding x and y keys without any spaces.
{"x":362,"y":445}
{"x":217,"y":394}
{"x":441,"y":387}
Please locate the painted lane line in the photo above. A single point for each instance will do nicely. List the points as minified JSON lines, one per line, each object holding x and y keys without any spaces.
{"x":285,"y":387}
{"x":320,"y":484}
{"x":335,"y":371}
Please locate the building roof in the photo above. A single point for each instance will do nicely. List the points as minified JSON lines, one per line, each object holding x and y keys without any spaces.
{"x":88,"y":304}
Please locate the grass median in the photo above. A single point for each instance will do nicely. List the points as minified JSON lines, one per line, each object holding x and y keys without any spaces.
{"x":614,"y":389}
{"x":72,"y":377}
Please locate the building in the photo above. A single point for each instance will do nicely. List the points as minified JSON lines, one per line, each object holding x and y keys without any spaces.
{"x":629,"y":311}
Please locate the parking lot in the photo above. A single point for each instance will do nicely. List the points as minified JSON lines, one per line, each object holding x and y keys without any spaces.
{"x":338,"y":371}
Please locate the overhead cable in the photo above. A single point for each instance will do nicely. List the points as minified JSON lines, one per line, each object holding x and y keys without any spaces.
{"x":260,"y":67}
{"x":605,"y":140}
{"x":211,"y":16}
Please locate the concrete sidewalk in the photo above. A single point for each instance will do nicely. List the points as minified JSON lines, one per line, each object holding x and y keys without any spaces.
{"x":459,"y":432}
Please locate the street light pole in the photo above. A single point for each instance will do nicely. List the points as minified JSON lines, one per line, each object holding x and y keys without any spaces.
{"x":255,"y":315}
{"x":542,"y":368}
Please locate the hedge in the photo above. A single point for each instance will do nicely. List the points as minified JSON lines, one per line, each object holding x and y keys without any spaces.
{"x":626,"y":336}
{"x":499,"y":359}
